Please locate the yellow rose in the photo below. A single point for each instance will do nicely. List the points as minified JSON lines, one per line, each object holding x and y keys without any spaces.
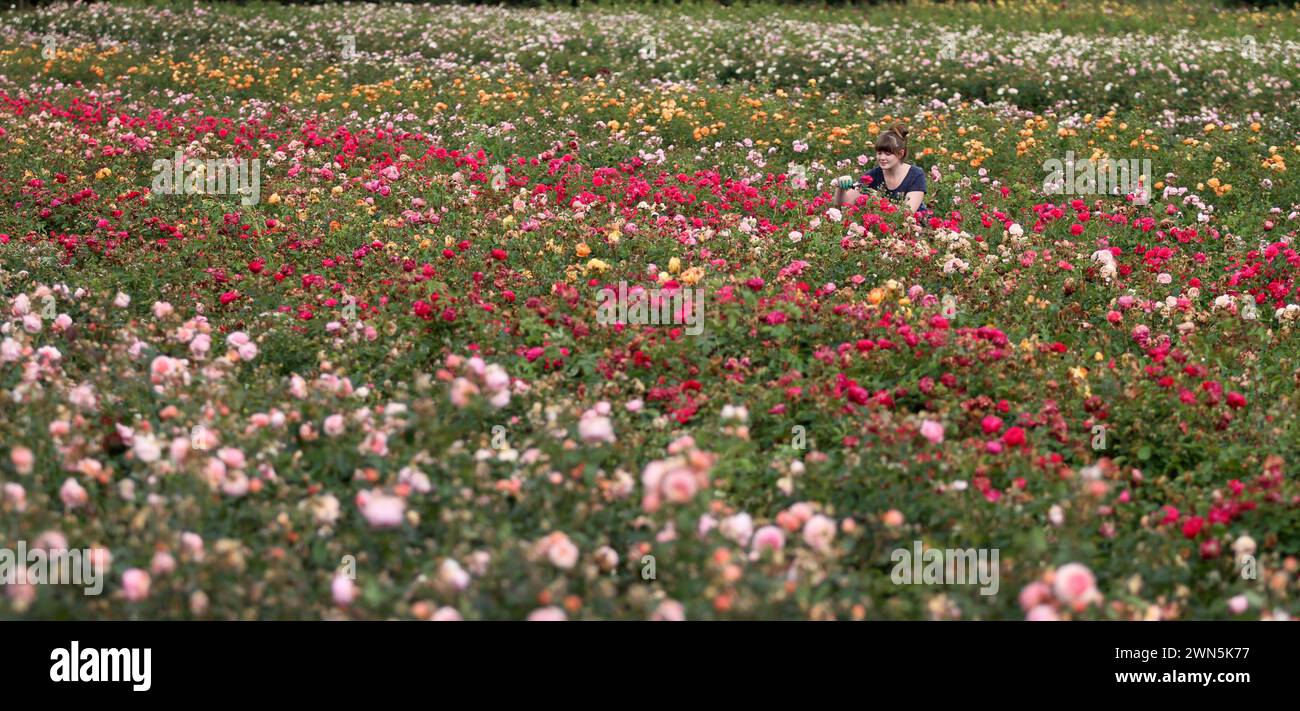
{"x":674,"y":265}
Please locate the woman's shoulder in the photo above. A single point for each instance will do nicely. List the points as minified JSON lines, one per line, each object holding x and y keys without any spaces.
{"x":916,"y":177}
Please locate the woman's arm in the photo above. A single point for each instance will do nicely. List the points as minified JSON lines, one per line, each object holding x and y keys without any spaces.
{"x":845,"y":197}
{"x":914,"y":200}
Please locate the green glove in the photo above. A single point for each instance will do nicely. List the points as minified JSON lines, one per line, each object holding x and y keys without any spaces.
{"x":844,"y":182}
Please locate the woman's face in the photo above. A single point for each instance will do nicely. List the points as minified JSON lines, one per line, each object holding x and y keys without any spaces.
{"x":886,"y":159}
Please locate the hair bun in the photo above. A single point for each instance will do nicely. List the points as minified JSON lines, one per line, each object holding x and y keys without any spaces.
{"x":901,"y":130}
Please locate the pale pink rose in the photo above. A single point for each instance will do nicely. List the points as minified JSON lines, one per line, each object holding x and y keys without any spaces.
{"x":192,"y":544}
{"x":476,"y":366}
{"x":446,"y":614}
{"x":680,"y":485}
{"x":135,"y":584}
{"x":101,"y":558}
{"x":1075,"y":583}
{"x":1042,"y":613}
{"x":669,"y":611}
{"x":248,"y":351}
{"x":51,"y":541}
{"x":1238,"y":604}
{"x":72,"y":494}
{"x":562,"y":553}
{"x":606,"y":558}
{"x":233,"y":458}
{"x":161,"y":310}
{"x":91,"y":468}
{"x":298,"y":387}
{"x":495,"y":378}
{"x":768,"y":538}
{"x":634,"y":405}
{"x":214,"y":470}
{"x":932,"y":431}
{"x":594,"y":429}
{"x":383,"y":511}
{"x":451,"y":574}
{"x":122,"y":300}
{"x":547,"y":614}
{"x":32,"y":323}
{"x":818,"y":532}
{"x":200,"y":346}
{"x":147,"y":448}
{"x":62,"y":322}
{"x":343,"y":590}
{"x":1034,"y":594}
{"x":16,"y":496}
{"x":236,"y":484}
{"x":238,"y":339}
{"x":681,"y":444}
{"x":60,"y":428}
{"x":334,"y":425}
{"x":802,"y":511}
{"x":10,"y":351}
{"x":499,"y":399}
{"x":162,"y":563}
{"x":22,"y":459}
{"x":161,"y":367}
{"x":738,"y":528}
{"x":462,"y":391}
{"x":705,"y":524}
{"x":375,"y":443}
{"x":83,"y":396}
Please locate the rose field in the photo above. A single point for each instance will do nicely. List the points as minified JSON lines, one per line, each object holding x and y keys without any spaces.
{"x":378,"y":385}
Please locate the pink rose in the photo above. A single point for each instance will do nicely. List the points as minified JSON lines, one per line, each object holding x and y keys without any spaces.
{"x":1034,"y":594}
{"x":769,"y":538}
{"x":73,"y":494}
{"x":382,"y":511}
{"x":135,"y":583}
{"x":1075,"y":584}
{"x":932,"y":431}
{"x":818,"y":533}
{"x":343,"y":590}
{"x":22,"y":459}
{"x":547,"y":614}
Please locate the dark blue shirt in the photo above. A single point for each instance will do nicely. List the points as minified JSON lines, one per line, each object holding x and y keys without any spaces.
{"x":914,"y":181}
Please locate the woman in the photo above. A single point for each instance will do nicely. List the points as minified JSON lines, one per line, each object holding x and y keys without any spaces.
{"x":892,"y":177}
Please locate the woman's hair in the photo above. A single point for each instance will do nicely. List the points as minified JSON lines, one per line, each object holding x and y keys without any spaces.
{"x":893,"y":141}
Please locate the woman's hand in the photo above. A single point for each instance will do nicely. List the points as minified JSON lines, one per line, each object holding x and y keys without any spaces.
{"x":914,"y":200}
{"x":844,"y":192}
